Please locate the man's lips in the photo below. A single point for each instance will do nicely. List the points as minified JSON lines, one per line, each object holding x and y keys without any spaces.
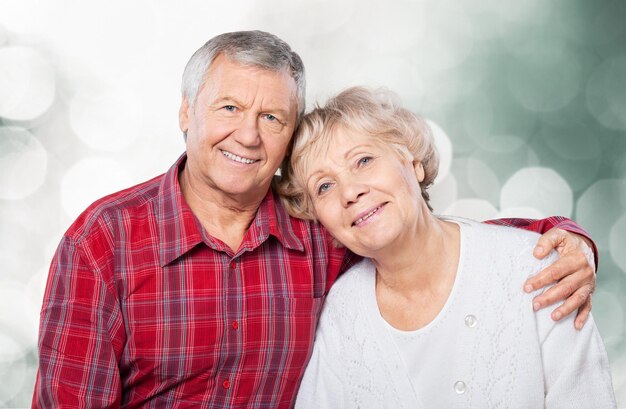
{"x":362,"y":217}
{"x":238,"y":158}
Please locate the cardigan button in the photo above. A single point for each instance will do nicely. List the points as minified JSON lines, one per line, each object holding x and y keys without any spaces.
{"x":460,"y":387}
{"x":470,"y":321}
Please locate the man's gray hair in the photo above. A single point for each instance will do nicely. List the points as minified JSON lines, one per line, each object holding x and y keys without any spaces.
{"x":253,"y":48}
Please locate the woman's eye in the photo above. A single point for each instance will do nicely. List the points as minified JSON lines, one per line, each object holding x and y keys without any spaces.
{"x":230,"y":108}
{"x":323,"y":188}
{"x":271,"y":117}
{"x":365,"y":160}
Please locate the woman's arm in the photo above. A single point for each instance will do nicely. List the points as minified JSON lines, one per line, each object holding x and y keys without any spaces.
{"x":575,"y":364}
{"x":321,"y":387}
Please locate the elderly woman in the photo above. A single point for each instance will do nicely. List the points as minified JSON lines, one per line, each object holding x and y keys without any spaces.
{"x":434,"y":316}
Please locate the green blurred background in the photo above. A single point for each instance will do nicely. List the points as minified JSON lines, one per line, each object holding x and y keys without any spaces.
{"x":527,"y":99}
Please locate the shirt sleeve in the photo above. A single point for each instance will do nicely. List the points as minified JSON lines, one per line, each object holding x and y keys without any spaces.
{"x":543,"y":225}
{"x":80,"y":330}
{"x":575,"y":364}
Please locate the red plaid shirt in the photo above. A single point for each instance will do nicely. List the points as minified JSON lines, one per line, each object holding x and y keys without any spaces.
{"x":143,"y":308}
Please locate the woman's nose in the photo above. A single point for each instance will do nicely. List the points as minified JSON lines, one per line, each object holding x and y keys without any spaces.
{"x":352,"y":191}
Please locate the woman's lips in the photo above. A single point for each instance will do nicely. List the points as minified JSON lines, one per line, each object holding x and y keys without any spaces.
{"x":363,"y":217}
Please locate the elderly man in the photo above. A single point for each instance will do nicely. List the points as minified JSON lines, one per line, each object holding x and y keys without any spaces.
{"x":196,"y":289}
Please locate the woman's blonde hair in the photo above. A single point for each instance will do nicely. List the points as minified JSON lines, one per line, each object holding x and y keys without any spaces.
{"x":376,"y":113}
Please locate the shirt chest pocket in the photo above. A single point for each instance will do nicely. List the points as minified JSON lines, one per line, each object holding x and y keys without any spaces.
{"x":283,"y":333}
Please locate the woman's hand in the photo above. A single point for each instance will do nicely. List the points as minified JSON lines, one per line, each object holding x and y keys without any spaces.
{"x":574,"y":274}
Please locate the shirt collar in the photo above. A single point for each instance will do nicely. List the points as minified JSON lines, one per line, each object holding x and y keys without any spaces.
{"x":180,"y":230}
{"x":272,"y":219}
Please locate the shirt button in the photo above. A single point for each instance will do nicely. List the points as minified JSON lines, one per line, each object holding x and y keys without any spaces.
{"x":460,"y":387}
{"x":470,"y":321}
{"x":235,"y":325}
{"x":226,"y":384}
{"x":233,"y":265}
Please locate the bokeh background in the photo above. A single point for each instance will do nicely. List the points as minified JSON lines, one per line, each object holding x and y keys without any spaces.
{"x":527,"y":99}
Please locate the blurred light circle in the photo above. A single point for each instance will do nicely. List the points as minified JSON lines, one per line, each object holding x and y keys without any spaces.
{"x":449,"y":37}
{"x":13,"y":380}
{"x":410,"y":22}
{"x":108,"y":119}
{"x":10,"y":348}
{"x":106,"y":39}
{"x":319,"y":17}
{"x":520,"y":212}
{"x":506,"y":162}
{"x":27,"y":83}
{"x":35,"y":286}
{"x":23,"y":163}
{"x":606,"y":93}
{"x":608,"y":28}
{"x":500,"y":143}
{"x":523,"y":12}
{"x":444,"y":149}
{"x":599,"y":207}
{"x":545,"y":76}
{"x":443,"y":193}
{"x":90,"y":179}
{"x":539,"y":188}
{"x":398,"y":74}
{"x":18,"y":314}
{"x":17,"y":244}
{"x":580,"y":174}
{"x":476,"y":209}
{"x":617,"y":242}
{"x":22,"y":16}
{"x":4,"y":36}
{"x":482,"y":180}
{"x":478,"y":119}
{"x":573,"y":139}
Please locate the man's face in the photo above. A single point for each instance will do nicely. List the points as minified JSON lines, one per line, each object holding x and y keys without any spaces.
{"x":239,"y":129}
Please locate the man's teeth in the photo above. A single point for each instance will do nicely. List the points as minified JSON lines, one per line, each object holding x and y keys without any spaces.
{"x":367,"y":216}
{"x":237,"y":158}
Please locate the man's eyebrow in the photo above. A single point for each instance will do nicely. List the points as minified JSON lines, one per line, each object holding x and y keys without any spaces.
{"x":227,"y":98}
{"x":231,"y":99}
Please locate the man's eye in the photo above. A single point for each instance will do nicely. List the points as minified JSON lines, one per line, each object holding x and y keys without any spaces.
{"x":273,"y":119}
{"x":230,"y":108}
{"x":323,"y":188}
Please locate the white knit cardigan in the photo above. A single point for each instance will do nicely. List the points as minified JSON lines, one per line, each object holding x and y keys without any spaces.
{"x":492,"y":350}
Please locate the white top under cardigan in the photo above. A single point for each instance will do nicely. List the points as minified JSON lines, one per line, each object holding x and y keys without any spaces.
{"x":485,"y":349}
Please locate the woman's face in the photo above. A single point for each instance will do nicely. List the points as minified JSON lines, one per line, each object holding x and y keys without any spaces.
{"x":363,"y":193}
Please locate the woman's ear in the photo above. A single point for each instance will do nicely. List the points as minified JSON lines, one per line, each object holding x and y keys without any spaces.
{"x":419,"y":170}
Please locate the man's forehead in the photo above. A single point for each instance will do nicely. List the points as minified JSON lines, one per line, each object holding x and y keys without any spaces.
{"x":240,"y":80}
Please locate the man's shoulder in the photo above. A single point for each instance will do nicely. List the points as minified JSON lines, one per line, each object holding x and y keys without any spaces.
{"x":132,"y":202}
{"x":496,"y":235}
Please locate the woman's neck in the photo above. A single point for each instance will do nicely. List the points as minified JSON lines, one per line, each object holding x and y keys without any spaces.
{"x":414,"y":280}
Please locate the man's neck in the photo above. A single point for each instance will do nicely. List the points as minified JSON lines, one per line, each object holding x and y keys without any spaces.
{"x":224,"y":217}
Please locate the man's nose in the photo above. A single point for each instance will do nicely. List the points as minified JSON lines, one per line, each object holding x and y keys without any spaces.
{"x":247,"y":133}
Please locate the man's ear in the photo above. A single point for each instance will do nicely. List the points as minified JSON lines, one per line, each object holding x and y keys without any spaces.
{"x":419,"y":170}
{"x":183,"y":115}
